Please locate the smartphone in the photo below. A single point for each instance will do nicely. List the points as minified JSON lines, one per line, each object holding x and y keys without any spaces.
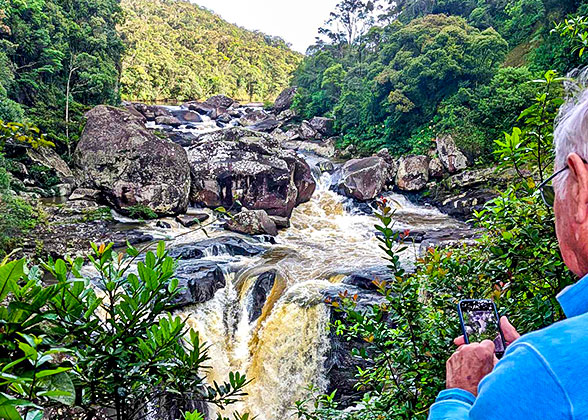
{"x":480,"y":321}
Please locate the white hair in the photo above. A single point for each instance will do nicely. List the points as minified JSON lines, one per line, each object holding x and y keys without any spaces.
{"x":571,"y":127}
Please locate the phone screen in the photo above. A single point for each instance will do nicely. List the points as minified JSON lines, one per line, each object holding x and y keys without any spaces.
{"x":480,"y":322}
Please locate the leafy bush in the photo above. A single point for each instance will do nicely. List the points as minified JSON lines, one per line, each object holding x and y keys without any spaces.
{"x":34,"y":373}
{"x":477,"y":116}
{"x":16,"y":215}
{"x":125,"y":350}
{"x":140,"y":211}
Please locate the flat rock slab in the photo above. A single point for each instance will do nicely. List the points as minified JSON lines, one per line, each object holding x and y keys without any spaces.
{"x":192,"y":220}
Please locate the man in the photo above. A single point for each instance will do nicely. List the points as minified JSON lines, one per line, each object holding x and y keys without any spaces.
{"x":543,"y":374}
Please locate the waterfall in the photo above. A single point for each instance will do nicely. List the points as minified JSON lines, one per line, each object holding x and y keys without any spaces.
{"x":270,"y":320}
{"x":290,"y":354}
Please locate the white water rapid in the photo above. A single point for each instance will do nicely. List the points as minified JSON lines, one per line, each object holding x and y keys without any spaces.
{"x":284,"y":349}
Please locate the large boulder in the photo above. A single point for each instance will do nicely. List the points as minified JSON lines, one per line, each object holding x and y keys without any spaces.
{"x":220,"y":245}
{"x":268,"y":125}
{"x":436,"y":168}
{"x":364,"y":179}
{"x":47,"y":158}
{"x":252,"y":222}
{"x":200,"y":107}
{"x":220,"y":101}
{"x":231,"y":134}
{"x":391,"y":161}
{"x":168,"y":120}
{"x":285,"y":99}
{"x":253,"y":117}
{"x":287,"y":115}
{"x":251,"y":168}
{"x":150,"y":112}
{"x":451,"y":157}
{"x":130,"y":165}
{"x":187,"y":117}
{"x":307,"y":131}
{"x":324,"y":148}
{"x":323,"y":125}
{"x":413,"y":173}
{"x":199,"y":281}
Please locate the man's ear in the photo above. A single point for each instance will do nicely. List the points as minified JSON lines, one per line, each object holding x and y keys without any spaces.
{"x":580,"y":190}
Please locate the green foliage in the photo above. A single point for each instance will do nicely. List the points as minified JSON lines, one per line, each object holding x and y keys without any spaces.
{"x":576,"y":29}
{"x":179,"y":50}
{"x":436,"y":63}
{"x":532,"y":145}
{"x":16,"y":215}
{"x":384,"y":88}
{"x":32,"y":375}
{"x":195,"y":415}
{"x":58,"y":55}
{"x":124,"y":348}
{"x":129,"y":348}
{"x":22,"y":133}
{"x":476,"y":116}
{"x":140,"y":211}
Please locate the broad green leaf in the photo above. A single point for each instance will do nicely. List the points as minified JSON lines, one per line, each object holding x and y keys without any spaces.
{"x":61,"y":388}
{"x":7,"y":411}
{"x":9,"y":275}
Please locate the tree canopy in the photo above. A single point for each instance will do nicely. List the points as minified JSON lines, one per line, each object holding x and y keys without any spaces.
{"x":56,"y":52}
{"x":425,"y":67}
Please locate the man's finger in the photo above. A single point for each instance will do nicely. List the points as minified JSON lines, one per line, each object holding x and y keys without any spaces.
{"x":459,"y":341}
{"x":510,"y":333}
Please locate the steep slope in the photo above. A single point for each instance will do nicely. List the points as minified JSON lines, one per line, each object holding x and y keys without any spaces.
{"x":179,"y":50}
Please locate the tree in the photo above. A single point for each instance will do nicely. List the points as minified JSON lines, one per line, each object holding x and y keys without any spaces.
{"x":65,"y":56}
{"x":350,"y":20}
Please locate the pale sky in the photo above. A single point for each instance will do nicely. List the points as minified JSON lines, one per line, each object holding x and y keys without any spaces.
{"x":295,"y":21}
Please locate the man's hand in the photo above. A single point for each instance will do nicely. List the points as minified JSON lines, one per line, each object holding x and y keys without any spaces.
{"x":469,"y":364}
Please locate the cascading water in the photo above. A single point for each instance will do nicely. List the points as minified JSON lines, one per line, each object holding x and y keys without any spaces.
{"x":283,"y":347}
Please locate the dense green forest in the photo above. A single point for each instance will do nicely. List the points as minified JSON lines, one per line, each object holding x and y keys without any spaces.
{"x":427,"y":67}
{"x":58,"y":58}
{"x":179,"y":50}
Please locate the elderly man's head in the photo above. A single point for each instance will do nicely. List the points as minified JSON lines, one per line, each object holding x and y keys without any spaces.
{"x":571,"y":186}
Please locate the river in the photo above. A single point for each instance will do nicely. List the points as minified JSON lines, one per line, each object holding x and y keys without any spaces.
{"x":285,"y":348}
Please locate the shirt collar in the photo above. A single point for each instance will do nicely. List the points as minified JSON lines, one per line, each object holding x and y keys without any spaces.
{"x":574,"y":298}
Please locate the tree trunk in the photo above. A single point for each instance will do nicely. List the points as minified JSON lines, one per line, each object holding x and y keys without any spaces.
{"x":67,"y":89}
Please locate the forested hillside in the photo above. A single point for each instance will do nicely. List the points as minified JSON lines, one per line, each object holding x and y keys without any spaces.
{"x":179,"y":50}
{"x":421,"y":68}
{"x":56,"y":58}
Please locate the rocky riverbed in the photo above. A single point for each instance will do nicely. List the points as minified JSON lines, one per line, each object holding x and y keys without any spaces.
{"x":267,"y":219}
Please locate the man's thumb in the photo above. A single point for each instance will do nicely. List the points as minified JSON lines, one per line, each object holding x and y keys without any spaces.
{"x":510,"y":333}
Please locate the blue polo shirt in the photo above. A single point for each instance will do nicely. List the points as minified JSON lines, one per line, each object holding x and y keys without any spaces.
{"x":543,"y":375}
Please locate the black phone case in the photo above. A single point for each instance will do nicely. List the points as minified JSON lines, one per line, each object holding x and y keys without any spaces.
{"x":463,"y":329}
